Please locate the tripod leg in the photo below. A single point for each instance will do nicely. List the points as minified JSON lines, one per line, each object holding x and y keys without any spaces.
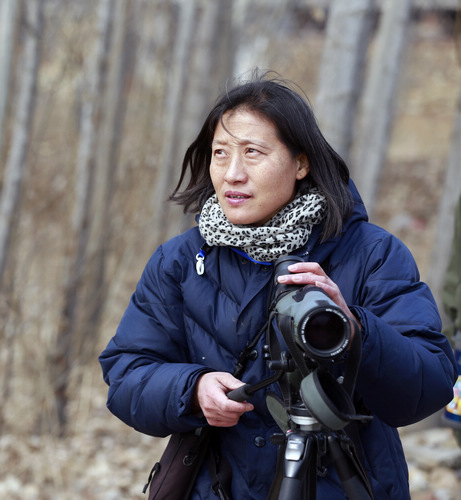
{"x":299,"y":481}
{"x":352,"y":482}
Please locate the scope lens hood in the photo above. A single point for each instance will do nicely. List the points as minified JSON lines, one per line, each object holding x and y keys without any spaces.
{"x":327,"y":400}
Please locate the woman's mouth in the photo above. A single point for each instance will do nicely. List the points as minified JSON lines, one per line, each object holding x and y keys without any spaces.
{"x":236,"y":198}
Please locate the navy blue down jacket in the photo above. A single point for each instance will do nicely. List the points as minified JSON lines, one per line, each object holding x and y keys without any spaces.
{"x":179,"y":325}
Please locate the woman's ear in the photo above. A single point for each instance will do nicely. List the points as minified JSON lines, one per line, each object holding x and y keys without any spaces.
{"x":302,"y":166}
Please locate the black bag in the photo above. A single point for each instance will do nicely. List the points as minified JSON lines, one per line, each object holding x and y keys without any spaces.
{"x":173,"y":477}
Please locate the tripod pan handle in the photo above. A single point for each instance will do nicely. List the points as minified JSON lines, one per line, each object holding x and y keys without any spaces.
{"x":240,"y":394}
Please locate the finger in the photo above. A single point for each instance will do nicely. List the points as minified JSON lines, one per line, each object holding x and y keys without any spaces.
{"x":220,"y":404}
{"x":304,"y":278}
{"x":306,"y":267}
{"x":332,"y":290}
{"x":327,"y":285}
{"x":220,"y":419}
{"x":303,"y":273}
{"x":229,"y":406}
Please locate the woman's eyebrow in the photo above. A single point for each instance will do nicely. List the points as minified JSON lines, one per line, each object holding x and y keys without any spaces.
{"x":243,"y":142}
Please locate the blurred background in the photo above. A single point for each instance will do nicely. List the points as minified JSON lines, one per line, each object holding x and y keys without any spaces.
{"x":99,"y":100}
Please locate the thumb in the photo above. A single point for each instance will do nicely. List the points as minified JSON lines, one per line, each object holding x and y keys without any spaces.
{"x":229,"y":381}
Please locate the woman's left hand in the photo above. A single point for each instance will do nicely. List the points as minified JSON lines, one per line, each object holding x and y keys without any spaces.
{"x":311,"y":273}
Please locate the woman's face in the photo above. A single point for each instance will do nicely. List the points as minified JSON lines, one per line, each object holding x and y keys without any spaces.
{"x":253,"y":173}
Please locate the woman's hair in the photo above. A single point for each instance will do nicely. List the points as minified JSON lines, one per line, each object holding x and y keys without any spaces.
{"x":297,"y":128}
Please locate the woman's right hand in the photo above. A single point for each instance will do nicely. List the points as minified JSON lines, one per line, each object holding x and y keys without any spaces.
{"x":211,"y":396}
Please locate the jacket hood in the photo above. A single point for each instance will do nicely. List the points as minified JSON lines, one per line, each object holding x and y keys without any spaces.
{"x":360,"y":212}
{"x":320,"y":251}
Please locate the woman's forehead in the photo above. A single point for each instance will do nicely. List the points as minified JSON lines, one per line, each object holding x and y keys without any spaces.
{"x":243,"y":125}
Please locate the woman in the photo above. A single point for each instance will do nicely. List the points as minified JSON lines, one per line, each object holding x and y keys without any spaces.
{"x":266,"y":184}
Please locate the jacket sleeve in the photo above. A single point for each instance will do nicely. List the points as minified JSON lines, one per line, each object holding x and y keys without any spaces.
{"x":408,"y":368}
{"x":146,"y":365}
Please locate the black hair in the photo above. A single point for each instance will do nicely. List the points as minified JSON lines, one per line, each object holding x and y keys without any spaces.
{"x":292,"y":116}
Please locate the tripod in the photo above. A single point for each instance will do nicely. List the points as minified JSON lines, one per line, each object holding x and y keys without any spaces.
{"x":306,"y":441}
{"x":309,"y":332}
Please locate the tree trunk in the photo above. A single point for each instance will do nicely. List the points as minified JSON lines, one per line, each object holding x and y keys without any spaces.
{"x":378,"y":102}
{"x":167,"y":170}
{"x":445,"y":220}
{"x":120,"y":69}
{"x":102,"y":124}
{"x":64,"y":352}
{"x":340,"y":80}
{"x":23,"y":119}
{"x":7,"y":29}
{"x":252,"y":37}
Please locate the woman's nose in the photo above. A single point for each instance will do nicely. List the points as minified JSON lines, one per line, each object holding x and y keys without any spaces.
{"x":236,"y":170}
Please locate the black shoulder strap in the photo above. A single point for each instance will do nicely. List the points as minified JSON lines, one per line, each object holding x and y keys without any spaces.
{"x":246,"y":354}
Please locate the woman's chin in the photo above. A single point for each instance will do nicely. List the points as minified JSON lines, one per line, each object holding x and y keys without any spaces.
{"x":242,"y":220}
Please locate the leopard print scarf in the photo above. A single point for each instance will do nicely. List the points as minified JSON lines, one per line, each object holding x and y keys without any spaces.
{"x":287,"y":231}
